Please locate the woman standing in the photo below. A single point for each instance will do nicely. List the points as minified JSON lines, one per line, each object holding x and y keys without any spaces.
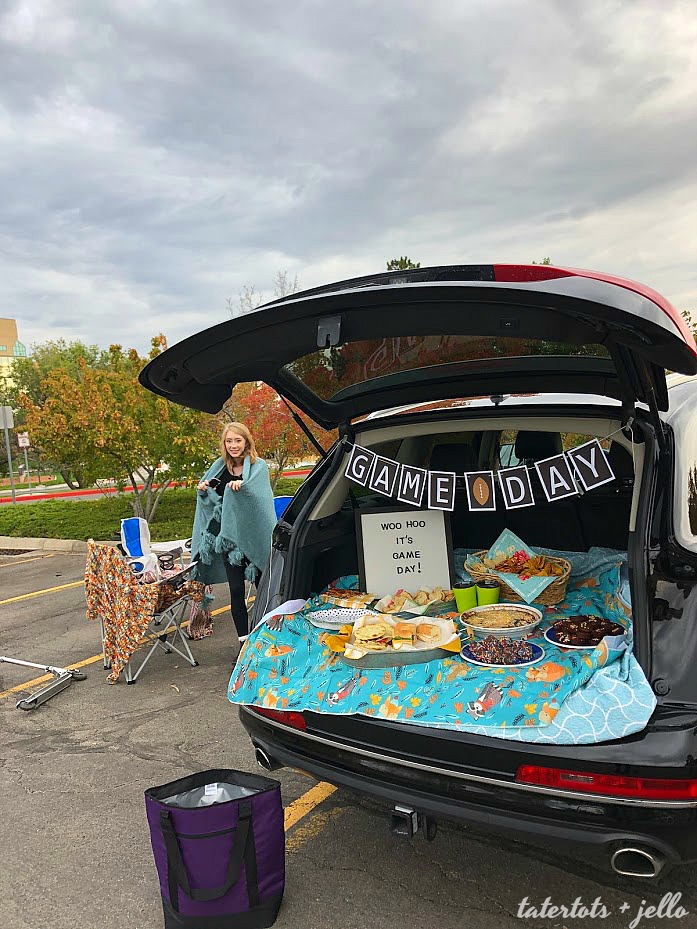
{"x":234,"y":520}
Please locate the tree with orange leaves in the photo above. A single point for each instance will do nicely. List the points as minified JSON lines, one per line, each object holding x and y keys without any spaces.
{"x":276,"y":434}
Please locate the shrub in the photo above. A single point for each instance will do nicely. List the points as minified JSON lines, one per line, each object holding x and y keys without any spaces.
{"x":101,"y":518}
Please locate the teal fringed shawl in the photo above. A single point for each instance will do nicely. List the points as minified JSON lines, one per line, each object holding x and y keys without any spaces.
{"x":236,"y":527}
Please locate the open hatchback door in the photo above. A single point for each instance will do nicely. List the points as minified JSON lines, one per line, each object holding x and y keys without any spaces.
{"x":347,"y":349}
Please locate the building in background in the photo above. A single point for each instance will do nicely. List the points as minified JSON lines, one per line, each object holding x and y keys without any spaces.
{"x":10,"y":347}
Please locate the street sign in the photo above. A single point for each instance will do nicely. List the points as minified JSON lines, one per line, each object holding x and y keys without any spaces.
{"x":23,"y":440}
{"x":7,"y":420}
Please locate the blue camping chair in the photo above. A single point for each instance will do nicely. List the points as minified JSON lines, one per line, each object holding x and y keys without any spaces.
{"x":280,"y":505}
{"x":135,"y":541}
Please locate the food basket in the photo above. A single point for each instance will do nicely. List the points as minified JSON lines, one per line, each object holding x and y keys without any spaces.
{"x":552,"y":594}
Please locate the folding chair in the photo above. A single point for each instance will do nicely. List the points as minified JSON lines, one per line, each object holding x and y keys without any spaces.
{"x":135,"y":541}
{"x":130,"y":611}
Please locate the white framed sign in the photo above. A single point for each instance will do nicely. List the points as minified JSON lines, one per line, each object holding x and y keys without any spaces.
{"x":403,"y":548}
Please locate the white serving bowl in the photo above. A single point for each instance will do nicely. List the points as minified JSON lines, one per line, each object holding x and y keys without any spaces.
{"x":531,"y":613}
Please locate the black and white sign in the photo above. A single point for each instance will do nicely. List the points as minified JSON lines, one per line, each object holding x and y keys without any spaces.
{"x":556,"y":477}
{"x":586,"y":464}
{"x":516,"y":488}
{"x":412,"y":483}
{"x":591,"y":464}
{"x":359,"y":465}
{"x":441,"y":490}
{"x":23,"y":440}
{"x":384,"y":475}
{"x":403,"y":548}
{"x":480,"y":490}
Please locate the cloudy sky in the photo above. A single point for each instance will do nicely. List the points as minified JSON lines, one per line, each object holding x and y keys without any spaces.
{"x":159,"y":156}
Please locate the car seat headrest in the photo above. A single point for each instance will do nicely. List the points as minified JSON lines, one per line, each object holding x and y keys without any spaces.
{"x":456,"y":457}
{"x":534,"y":446}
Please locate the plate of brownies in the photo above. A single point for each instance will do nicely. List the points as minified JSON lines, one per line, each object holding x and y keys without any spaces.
{"x":582,"y":631}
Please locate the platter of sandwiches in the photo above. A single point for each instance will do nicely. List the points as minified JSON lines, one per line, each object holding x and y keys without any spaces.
{"x":383,"y":641}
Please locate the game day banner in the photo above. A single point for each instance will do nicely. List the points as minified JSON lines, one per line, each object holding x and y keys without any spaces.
{"x":585,"y":466}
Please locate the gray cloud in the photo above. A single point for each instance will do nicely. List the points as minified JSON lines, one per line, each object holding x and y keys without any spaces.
{"x":158,"y":157}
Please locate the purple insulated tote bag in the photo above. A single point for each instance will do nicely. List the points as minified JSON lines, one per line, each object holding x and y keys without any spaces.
{"x":219,"y":848}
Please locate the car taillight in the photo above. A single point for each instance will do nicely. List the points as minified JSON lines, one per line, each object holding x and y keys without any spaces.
{"x":612,"y":785}
{"x":287,"y":717}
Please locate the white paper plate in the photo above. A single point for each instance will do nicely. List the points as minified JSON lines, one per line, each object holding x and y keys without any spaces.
{"x":335,"y":617}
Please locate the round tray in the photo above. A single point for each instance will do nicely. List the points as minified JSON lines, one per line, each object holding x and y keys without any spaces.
{"x":394,"y":658}
{"x":511,"y":632}
{"x":538,"y":653}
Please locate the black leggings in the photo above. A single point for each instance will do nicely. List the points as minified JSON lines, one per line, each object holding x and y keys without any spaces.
{"x":238,"y":606}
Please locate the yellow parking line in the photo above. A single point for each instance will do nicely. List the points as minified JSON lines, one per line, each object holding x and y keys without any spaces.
{"x":292,"y":814}
{"x":27,"y":560}
{"x":305,"y":804}
{"x":30,"y":685}
{"x":40,"y":593}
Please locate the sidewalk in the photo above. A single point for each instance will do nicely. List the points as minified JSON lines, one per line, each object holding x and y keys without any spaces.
{"x":15,"y":544}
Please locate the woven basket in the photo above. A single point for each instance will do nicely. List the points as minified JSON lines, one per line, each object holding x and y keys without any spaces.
{"x":552,"y":594}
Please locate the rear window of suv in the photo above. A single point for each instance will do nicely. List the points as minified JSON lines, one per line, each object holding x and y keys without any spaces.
{"x":331,"y":371}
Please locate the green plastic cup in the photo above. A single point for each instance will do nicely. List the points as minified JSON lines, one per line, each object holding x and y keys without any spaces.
{"x":488,"y":591}
{"x":465,"y":596}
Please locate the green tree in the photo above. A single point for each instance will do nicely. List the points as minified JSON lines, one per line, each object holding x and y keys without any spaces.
{"x":687,"y":316}
{"x":545,"y":261}
{"x":402,"y":264}
{"x":101,"y":423}
{"x":27,"y":375}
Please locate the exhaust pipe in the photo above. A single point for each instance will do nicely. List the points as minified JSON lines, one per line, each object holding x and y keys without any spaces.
{"x":637,"y":861}
{"x":265,"y":761}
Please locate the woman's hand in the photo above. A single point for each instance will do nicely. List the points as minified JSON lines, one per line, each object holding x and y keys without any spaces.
{"x":202,"y":486}
{"x":235,"y":485}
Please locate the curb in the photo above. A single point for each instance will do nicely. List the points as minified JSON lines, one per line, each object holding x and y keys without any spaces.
{"x":14,"y":543}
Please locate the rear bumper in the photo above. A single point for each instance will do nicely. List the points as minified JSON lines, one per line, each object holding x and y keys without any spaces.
{"x":584,"y":825}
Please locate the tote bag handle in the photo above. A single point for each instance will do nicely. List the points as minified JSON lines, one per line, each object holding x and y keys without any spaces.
{"x":242,"y":850}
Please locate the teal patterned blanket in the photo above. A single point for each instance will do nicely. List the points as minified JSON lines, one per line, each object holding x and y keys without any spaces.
{"x":286,"y":665}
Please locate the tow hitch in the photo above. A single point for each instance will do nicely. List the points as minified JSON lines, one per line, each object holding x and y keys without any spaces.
{"x":407,"y":822}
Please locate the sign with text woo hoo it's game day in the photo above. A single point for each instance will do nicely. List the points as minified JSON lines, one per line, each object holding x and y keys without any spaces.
{"x":403,"y":548}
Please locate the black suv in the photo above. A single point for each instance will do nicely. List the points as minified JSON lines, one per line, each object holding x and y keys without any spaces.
{"x":474,"y":368}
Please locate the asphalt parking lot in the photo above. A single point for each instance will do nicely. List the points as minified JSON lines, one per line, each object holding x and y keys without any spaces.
{"x":74,"y":839}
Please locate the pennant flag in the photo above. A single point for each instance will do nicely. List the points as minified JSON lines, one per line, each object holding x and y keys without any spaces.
{"x":480,"y":490}
{"x":591,"y":464}
{"x":412,"y":483}
{"x":561,"y":476}
{"x":516,"y":488}
{"x":556,"y":477}
{"x":441,"y":490}
{"x":384,"y":475}
{"x":359,"y":465}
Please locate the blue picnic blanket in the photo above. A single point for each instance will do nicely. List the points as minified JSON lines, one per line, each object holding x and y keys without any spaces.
{"x":568,"y":697}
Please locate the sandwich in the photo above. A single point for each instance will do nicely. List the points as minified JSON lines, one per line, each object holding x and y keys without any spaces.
{"x":428,"y":632}
{"x":403,"y":634}
{"x":373,"y":636}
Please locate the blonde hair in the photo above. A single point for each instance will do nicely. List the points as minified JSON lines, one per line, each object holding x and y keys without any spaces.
{"x":249,"y":446}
